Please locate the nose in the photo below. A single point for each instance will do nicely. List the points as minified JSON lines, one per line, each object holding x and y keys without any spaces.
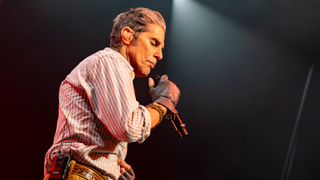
{"x":158,"y":55}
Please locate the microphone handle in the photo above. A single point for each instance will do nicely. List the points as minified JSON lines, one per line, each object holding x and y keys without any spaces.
{"x":179,"y":125}
{"x":175,"y":118}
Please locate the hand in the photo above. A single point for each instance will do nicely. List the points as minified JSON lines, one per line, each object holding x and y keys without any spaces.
{"x":165,"y":93}
{"x":126,"y":172}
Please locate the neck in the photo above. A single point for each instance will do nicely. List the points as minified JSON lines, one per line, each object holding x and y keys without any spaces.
{"x":124,"y":52}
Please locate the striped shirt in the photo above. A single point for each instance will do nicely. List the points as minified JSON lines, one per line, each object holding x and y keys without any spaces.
{"x":99,"y":114}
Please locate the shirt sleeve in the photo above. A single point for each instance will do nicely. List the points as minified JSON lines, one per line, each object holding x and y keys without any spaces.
{"x":110,"y":90}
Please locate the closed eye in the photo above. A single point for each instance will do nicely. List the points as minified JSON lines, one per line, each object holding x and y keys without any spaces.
{"x":154,"y":43}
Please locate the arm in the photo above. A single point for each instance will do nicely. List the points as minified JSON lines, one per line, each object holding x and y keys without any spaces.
{"x":155,"y":115}
{"x":165,"y":97}
{"x":110,"y":90}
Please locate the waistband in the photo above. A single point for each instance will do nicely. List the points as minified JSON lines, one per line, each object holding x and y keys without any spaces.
{"x":83,"y":171}
{"x":86,"y":172}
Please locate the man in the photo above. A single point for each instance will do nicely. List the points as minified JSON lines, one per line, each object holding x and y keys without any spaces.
{"x":98,"y":111}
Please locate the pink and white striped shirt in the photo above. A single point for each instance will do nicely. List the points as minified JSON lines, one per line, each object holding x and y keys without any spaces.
{"x":99,"y":114}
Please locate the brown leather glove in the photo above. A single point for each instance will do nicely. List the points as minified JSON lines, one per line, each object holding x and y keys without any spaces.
{"x":165,"y":93}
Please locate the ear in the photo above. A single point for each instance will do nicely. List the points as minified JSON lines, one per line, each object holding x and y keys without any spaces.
{"x":127,"y":35}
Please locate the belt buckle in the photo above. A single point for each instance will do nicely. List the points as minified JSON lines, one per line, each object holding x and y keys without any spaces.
{"x":87,"y":172}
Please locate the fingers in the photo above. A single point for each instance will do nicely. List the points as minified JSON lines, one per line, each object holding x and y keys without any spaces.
{"x":164,"y":77}
{"x":126,"y":172}
{"x":121,"y":177}
{"x":124,"y":165}
{"x":131,"y":172}
{"x":122,"y":170}
{"x":151,"y":82}
{"x":127,"y":175}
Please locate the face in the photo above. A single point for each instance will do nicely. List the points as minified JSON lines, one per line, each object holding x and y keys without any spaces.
{"x":145,"y":53}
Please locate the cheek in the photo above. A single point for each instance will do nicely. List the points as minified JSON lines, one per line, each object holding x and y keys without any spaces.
{"x":148,"y":55}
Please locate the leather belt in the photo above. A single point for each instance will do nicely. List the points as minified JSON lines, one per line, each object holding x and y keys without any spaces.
{"x":87,"y":172}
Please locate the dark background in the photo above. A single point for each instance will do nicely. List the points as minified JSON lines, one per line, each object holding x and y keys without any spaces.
{"x":242,"y":67}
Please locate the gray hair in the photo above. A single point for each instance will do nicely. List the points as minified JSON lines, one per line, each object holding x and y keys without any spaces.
{"x":137,"y":19}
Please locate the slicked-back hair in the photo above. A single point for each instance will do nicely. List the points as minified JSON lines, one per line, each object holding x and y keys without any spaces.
{"x":137,"y":19}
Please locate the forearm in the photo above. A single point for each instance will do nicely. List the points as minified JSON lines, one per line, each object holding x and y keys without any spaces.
{"x":155,"y":115}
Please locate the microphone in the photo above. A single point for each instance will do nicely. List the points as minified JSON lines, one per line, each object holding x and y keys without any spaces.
{"x":175,"y":119}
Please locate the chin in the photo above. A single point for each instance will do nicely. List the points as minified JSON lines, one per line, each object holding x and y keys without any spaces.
{"x":143,"y":73}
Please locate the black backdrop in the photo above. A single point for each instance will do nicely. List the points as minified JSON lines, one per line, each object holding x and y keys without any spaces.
{"x":242,"y":68}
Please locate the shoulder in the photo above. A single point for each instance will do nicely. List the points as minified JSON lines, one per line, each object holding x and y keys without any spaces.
{"x":111,"y":57}
{"x":108,"y":54}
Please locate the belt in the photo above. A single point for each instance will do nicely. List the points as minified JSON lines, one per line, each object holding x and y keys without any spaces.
{"x":85,"y":171}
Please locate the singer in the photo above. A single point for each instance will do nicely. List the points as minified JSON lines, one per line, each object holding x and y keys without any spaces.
{"x":98,"y":111}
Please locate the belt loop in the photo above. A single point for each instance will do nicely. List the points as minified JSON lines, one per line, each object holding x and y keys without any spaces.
{"x":71,"y":166}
